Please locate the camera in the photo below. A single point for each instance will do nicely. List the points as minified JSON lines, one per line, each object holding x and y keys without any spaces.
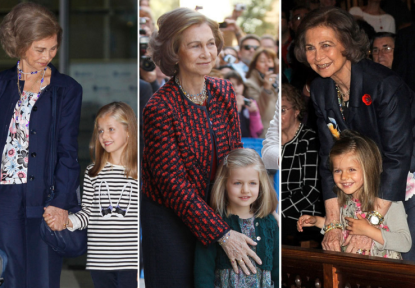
{"x":223,"y":25}
{"x":247,"y":102}
{"x":230,"y":59}
{"x":145,"y":61}
{"x":240,"y":7}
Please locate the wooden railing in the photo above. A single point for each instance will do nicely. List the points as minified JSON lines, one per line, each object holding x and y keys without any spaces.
{"x":314,"y":268}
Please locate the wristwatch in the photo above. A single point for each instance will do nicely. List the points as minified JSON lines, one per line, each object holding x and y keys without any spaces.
{"x":374,"y":218}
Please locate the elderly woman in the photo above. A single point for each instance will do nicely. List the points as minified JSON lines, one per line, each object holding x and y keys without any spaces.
{"x":261,"y":84}
{"x":358,"y":94}
{"x":300,"y":190}
{"x":382,"y":48}
{"x":190,"y":125}
{"x":32,"y":34}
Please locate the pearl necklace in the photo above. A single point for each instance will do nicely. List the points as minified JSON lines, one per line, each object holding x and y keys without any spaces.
{"x":193,"y":98}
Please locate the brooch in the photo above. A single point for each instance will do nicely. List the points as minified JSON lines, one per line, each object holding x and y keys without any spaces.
{"x":367,"y":99}
{"x":333,"y":127}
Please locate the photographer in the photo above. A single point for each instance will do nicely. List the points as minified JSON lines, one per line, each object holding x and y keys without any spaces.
{"x":232,"y":33}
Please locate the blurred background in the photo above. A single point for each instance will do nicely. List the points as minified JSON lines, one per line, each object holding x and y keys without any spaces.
{"x":99,"y":50}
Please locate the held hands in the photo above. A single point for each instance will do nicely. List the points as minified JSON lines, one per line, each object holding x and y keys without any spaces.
{"x":357,"y":238}
{"x":237,"y":249}
{"x":56,"y":218}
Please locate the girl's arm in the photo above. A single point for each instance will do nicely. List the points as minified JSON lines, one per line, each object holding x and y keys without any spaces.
{"x":80,"y":220}
{"x":310,"y":221}
{"x":204,"y":267}
{"x":255,"y":123}
{"x":395,"y":236}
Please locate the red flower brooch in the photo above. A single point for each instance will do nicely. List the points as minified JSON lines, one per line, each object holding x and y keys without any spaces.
{"x":367,"y":99}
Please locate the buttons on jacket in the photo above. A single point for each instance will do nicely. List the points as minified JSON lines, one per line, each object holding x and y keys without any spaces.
{"x":258,"y":238}
{"x":33,"y":131}
{"x":34,"y":108}
{"x":31,"y":178}
{"x":33,"y":154}
{"x":256,"y":224}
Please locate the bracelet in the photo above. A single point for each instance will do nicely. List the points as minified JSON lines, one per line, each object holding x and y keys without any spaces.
{"x":332,"y":226}
{"x":222,"y":240}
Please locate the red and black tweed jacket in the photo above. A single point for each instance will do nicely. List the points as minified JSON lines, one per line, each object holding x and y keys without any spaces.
{"x":177,"y":156}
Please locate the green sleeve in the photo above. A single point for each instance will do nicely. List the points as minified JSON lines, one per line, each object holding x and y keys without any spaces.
{"x":204,"y":268}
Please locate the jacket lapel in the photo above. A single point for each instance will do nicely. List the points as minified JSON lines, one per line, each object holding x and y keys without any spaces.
{"x":356,"y":93}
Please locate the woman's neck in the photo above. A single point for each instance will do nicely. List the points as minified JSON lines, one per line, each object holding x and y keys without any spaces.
{"x":289,"y":133}
{"x":343,"y":78}
{"x":373,"y":8}
{"x":191,"y":84}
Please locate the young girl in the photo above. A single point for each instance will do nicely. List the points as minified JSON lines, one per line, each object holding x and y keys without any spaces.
{"x":356,"y":164}
{"x":109,"y":201}
{"x":244,"y":197}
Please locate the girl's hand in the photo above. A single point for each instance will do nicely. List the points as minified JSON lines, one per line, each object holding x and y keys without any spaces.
{"x":253,"y":107}
{"x":358,"y":226}
{"x":237,"y":249}
{"x":306,"y":221}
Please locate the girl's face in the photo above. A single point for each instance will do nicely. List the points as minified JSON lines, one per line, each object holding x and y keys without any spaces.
{"x":113,"y":137}
{"x":348,"y":173}
{"x":237,"y":87}
{"x":242,"y":189}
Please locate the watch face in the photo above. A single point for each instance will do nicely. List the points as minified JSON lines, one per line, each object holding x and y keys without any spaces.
{"x":374,"y":220}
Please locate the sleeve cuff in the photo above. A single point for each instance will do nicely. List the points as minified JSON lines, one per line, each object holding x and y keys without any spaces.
{"x":76,"y":224}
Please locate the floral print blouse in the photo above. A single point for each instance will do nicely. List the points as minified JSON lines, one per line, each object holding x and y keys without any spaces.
{"x":15,"y":156}
{"x":351,"y":209}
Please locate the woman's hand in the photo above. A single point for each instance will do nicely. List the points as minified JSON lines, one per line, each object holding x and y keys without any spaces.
{"x":332,"y":240}
{"x":306,"y":221}
{"x":356,"y":242}
{"x":269,"y":79}
{"x":58,"y":218}
{"x":237,"y":249}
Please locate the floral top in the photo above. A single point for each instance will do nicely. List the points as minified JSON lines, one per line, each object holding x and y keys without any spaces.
{"x":227,"y":278}
{"x":351,"y":209}
{"x":15,"y":156}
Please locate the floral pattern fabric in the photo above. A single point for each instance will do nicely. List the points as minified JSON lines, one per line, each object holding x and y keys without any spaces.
{"x":15,"y":156}
{"x":227,"y":278}
{"x":351,"y":209}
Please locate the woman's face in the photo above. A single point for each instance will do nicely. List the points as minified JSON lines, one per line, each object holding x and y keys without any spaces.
{"x":263,"y":63}
{"x":288,"y":115}
{"x":197,"y":51}
{"x":40,"y":54}
{"x":324,"y":53}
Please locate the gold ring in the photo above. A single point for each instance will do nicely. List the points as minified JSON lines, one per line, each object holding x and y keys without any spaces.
{"x":359,"y":251}
{"x":241,"y":261}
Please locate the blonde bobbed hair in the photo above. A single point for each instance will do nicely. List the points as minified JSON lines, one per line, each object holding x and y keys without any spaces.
{"x":266,"y":202}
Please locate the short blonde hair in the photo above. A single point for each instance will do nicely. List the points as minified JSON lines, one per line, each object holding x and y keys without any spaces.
{"x":24,"y":24}
{"x":266,"y":202}
{"x":164,"y":44}
{"x":126,"y":116}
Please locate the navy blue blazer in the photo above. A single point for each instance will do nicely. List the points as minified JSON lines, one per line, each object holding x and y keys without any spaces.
{"x":388,"y":120}
{"x":66,"y":166}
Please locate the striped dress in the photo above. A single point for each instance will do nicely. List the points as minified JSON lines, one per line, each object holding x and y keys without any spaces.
{"x":112,"y":239}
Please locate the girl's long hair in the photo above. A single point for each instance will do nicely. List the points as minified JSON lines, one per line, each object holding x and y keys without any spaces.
{"x":368,"y":155}
{"x":126,"y":116}
{"x":266,"y":202}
